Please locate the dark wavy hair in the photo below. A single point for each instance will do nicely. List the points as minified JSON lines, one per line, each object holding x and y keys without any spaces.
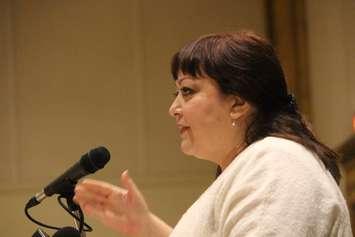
{"x":246,"y":65}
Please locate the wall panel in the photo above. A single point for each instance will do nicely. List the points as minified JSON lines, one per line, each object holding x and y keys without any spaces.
{"x":331,"y":37}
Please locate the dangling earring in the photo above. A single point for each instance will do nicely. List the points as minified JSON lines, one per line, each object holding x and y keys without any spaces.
{"x":233,"y":123}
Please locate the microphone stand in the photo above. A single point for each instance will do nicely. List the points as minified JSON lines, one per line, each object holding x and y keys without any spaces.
{"x":74,"y":209}
{"x":76,"y":213}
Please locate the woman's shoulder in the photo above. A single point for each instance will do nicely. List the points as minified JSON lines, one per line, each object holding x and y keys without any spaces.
{"x":275,"y":150}
{"x":277,"y":161}
{"x":278,"y":144}
{"x":273,"y":179}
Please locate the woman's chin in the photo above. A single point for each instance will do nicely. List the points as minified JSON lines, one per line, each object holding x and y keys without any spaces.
{"x":186,"y":148}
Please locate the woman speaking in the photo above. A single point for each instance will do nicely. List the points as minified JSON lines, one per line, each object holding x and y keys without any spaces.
{"x":232,"y":108}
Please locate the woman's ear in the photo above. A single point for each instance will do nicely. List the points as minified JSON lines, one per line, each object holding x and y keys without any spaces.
{"x":240,"y":108}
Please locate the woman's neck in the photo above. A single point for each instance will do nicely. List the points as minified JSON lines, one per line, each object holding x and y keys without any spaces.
{"x":232,"y":154}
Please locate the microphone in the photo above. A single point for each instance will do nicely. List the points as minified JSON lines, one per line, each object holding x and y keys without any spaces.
{"x":67,"y":232}
{"x":90,"y":162}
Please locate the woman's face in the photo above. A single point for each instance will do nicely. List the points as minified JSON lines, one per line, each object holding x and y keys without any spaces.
{"x":203,"y":117}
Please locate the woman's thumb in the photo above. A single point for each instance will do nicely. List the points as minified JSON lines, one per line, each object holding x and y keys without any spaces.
{"x":132,"y":189}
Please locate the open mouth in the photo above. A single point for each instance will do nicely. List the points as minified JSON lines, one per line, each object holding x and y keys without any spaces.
{"x":183,"y":129}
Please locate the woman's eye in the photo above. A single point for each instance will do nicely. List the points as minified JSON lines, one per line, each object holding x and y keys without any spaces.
{"x":185,"y":91}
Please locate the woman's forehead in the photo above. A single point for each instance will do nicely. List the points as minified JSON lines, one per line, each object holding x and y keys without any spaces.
{"x":182,"y":77}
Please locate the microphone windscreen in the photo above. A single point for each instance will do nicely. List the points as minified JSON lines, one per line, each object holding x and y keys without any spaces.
{"x":95,"y":159}
{"x":67,"y":231}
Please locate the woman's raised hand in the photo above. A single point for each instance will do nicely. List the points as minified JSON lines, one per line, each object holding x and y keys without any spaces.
{"x":121,"y":209}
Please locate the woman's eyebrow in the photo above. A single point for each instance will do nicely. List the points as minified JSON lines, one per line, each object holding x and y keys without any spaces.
{"x":180,"y":79}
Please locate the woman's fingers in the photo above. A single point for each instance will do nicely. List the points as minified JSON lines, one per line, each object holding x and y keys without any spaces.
{"x":92,"y":209}
{"x":123,"y":209}
{"x":97,"y":187}
{"x":107,"y":216}
{"x":83,"y":195}
{"x":91,"y":193}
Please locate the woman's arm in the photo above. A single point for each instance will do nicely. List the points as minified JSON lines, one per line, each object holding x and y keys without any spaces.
{"x":280,"y":193}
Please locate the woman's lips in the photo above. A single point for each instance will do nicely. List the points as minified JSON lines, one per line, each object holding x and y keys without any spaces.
{"x":182,"y":129}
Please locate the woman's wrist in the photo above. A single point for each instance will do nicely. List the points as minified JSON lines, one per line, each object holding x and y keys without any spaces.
{"x":156,"y":227}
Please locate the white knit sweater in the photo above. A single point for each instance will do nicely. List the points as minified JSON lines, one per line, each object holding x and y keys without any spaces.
{"x":275,"y":187}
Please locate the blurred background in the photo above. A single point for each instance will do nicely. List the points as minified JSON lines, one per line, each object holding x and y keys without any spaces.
{"x":78,"y":74}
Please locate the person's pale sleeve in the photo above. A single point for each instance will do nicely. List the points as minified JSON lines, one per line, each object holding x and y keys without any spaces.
{"x":278,"y":194}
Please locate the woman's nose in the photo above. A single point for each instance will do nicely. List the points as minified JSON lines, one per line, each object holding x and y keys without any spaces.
{"x":175,"y":108}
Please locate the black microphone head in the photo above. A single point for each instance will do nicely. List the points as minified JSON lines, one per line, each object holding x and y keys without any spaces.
{"x":95,"y":159}
{"x":67,"y":231}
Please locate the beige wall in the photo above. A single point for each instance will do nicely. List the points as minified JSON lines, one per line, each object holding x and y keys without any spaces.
{"x":332,"y":67}
{"x":78,"y":74}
